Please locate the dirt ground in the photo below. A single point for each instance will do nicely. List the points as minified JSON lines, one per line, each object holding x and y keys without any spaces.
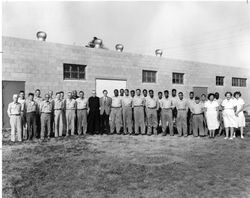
{"x":127,"y":166}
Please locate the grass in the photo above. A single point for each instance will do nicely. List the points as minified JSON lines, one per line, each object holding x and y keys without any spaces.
{"x":127,"y":166}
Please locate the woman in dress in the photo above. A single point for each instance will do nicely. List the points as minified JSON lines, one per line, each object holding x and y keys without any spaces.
{"x":211,"y":112}
{"x":240,"y":118}
{"x":229,"y":107}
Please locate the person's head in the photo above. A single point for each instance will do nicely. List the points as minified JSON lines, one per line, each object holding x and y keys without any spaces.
{"x":203,"y":97}
{"x":166,"y":93}
{"x":116,"y":93}
{"x":15,"y":97}
{"x":69,"y":95}
{"x":81,"y":94}
{"x":197,"y":100}
{"x":93,"y":93}
{"x":173,"y":92}
{"x":121,"y":92}
{"x":138,"y":92}
{"x":31,"y":96}
{"x":160,"y":95}
{"x":62,"y":94}
{"x":74,"y":93}
{"x":38,"y":92}
{"x":211,"y":97}
{"x":180,"y":94}
{"x":237,"y":94}
{"x":126,"y":92}
{"x":105,"y":93}
{"x":58,"y":95}
{"x":228,"y":95}
{"x":50,"y":93}
{"x":21,"y":94}
{"x":132,"y":93}
{"x":151,"y":93}
{"x":191,"y":95}
{"x":46,"y":97}
{"x":145,"y":92}
{"x":216,"y":95}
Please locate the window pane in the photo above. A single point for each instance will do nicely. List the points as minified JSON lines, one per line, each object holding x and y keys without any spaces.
{"x":66,"y":75}
{"x":82,"y":75}
{"x":81,"y":69}
{"x":74,"y":68}
{"x":66,"y":68}
{"x":74,"y":75}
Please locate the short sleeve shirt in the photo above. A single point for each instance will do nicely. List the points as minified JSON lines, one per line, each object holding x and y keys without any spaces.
{"x":138,"y":101}
{"x":166,"y":103}
{"x":127,"y":101}
{"x":116,"y":101}
{"x":31,"y":106}
{"x":211,"y":106}
{"x":239,"y":103}
{"x":151,"y":102}
{"x":70,"y":104}
{"x":228,"y":104}
{"x":81,"y":103}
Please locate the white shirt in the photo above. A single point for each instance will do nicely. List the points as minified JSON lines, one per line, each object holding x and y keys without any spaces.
{"x":228,"y":104}
{"x":127,"y":101}
{"x":166,"y":103}
{"x":151,"y":102}
{"x":81,"y":103}
{"x":211,"y":106}
{"x":116,"y":101}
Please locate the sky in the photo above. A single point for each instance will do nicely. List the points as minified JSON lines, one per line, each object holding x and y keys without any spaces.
{"x":212,"y":32}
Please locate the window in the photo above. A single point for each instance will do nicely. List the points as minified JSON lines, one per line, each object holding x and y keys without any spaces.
{"x":239,"y":82}
{"x":177,"y":78}
{"x":219,"y":80}
{"x":148,"y":76}
{"x":73,"y":72}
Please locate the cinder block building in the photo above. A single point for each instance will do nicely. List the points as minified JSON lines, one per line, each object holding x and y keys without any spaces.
{"x":32,"y":64}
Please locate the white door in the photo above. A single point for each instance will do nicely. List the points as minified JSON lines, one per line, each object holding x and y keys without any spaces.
{"x":109,"y":85}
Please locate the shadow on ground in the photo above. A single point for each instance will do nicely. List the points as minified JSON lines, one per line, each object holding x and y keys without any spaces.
{"x":127,"y":166}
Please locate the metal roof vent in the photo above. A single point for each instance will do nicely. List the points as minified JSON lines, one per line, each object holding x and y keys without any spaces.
{"x":41,"y":36}
{"x":98,"y":43}
{"x":158,"y":52}
{"x":119,"y":47}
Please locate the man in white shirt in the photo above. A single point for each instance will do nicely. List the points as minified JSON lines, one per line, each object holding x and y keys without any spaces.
{"x":152,"y":106}
{"x":82,"y":107}
{"x":127,"y":113}
{"x":181,"y":120}
{"x":21,"y":100}
{"x":116,"y":113}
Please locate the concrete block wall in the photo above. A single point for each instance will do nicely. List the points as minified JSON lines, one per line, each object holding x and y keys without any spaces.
{"x":40,"y":65}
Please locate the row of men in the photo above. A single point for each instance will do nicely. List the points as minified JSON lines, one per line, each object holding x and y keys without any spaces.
{"x":128,"y":110}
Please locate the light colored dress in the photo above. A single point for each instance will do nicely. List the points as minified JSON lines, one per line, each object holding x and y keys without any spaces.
{"x":228,"y":113}
{"x":211,"y":114}
{"x":240,"y":119}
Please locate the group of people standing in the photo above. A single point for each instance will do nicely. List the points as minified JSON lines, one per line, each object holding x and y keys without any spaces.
{"x":127,"y":112}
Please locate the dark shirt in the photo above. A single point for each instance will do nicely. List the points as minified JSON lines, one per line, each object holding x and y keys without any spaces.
{"x":94,"y":103}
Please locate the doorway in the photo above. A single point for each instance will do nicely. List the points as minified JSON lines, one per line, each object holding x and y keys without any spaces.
{"x":198,"y":91}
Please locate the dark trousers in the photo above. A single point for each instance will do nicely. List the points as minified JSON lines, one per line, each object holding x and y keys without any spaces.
{"x":31,"y":125}
{"x":104,"y":122}
{"x":93,"y":122}
{"x":189,"y":122}
{"x":38,"y":125}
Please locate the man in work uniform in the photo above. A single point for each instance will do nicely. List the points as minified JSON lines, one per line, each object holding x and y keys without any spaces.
{"x":38,"y":99}
{"x":127,"y":113}
{"x":191,"y":101}
{"x":63,"y":112}
{"x":58,"y":114}
{"x":14,"y":112}
{"x":197,"y":111}
{"x":116,"y":113}
{"x":94,"y":114}
{"x":32,"y":110}
{"x":21,"y":100}
{"x":52,"y":100}
{"x":166,"y":105}
{"x":181,"y":120}
{"x":105,"y":108}
{"x":138,"y":104}
{"x":46,"y":109}
{"x":159,"y":112}
{"x":70,"y":114}
{"x":152,"y":106}
{"x":82,"y":108}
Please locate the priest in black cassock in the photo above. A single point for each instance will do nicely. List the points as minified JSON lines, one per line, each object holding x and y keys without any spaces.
{"x":94,"y":114}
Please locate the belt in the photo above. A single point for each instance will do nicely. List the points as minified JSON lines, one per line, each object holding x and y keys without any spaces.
{"x":81,"y":109}
{"x":198,"y":114}
{"x":46,"y":112}
{"x":15,"y":114}
{"x":58,"y":109}
{"x":138,"y":106}
{"x":70,"y":109}
{"x":168,"y":108}
{"x":115,"y":107}
{"x":181,"y":109}
{"x":151,"y":107}
{"x":32,"y":112}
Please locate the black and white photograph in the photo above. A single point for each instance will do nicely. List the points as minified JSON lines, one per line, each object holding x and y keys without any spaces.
{"x":125,"y":99}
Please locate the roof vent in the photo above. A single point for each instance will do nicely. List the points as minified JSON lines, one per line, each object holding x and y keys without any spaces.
{"x":119,"y":47}
{"x":97,"y":43}
{"x":41,"y":36}
{"x":158,"y":52}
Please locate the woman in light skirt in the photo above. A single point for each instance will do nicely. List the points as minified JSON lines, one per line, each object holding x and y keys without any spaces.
{"x":211,"y":112}
{"x":229,"y":108}
{"x":240,"y":118}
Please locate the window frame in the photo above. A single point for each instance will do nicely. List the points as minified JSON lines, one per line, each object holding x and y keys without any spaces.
{"x":218,"y":81}
{"x":178,"y":78}
{"x":149,"y":77}
{"x":239,"y":82}
{"x":74,"y":69}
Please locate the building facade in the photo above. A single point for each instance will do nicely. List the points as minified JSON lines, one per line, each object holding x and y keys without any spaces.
{"x":33,"y":64}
